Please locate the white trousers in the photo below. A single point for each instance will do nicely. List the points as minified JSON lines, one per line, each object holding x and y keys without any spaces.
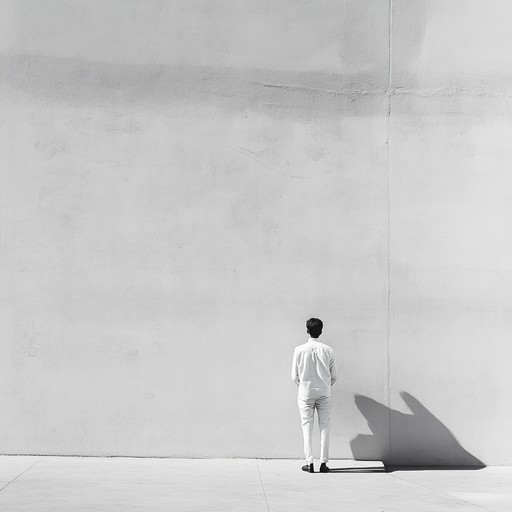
{"x":307,"y":412}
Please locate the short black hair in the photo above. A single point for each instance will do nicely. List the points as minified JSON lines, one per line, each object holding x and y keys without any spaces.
{"x":314,"y":327}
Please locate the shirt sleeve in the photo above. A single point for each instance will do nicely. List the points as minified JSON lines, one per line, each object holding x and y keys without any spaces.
{"x":332,"y":367}
{"x":295,"y":369}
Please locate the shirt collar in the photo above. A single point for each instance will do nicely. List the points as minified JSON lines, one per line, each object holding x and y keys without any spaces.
{"x":313,"y":339}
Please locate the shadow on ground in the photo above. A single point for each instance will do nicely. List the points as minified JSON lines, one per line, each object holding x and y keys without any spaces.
{"x":370,"y":469}
{"x":408,"y":441}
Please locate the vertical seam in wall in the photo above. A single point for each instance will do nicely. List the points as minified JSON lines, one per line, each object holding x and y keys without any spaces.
{"x":388,"y":158}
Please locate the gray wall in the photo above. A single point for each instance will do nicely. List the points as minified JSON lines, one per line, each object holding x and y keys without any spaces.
{"x":185,"y":182}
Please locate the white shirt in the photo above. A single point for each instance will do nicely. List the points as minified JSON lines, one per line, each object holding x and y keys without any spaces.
{"x":314,"y":369}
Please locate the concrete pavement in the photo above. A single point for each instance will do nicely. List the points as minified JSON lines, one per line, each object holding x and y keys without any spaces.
{"x":43,"y":484}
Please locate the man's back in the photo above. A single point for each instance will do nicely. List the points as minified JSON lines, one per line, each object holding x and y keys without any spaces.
{"x":314,"y":369}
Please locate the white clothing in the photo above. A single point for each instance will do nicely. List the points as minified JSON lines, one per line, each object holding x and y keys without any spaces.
{"x":314,"y":369}
{"x":307,"y":412}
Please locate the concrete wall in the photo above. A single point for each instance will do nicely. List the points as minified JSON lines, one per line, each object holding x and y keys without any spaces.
{"x":184,"y":183}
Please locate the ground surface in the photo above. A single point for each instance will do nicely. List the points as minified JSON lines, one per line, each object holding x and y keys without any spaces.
{"x":42,"y":484}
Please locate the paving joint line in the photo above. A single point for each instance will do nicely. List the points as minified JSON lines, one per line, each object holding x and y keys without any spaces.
{"x":262,"y":487}
{"x":436,"y":491}
{"x":21,"y":474}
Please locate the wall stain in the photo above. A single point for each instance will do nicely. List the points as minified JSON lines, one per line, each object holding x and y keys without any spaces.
{"x":299,"y":95}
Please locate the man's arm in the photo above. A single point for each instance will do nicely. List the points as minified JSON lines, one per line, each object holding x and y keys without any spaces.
{"x":332,"y":367}
{"x":295,"y":369}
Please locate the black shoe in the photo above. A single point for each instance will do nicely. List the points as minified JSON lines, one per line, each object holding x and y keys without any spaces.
{"x":324,"y":468}
{"x":308,"y":468}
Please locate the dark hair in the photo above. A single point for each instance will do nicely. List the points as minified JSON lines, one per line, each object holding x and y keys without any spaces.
{"x":314,"y":327}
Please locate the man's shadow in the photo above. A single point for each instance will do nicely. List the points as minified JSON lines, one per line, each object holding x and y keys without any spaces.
{"x":401,"y":440}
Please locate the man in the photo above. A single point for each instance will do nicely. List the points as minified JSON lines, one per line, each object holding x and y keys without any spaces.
{"x":314,"y":371}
